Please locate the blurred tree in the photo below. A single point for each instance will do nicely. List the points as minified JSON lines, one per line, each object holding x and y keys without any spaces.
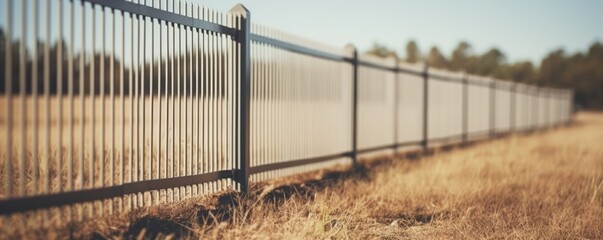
{"x":460,"y":59}
{"x":436,"y":59}
{"x":522,"y":72}
{"x":413,"y":54}
{"x":582,"y":72}
{"x":489,"y":62}
{"x":381,"y":50}
{"x":552,"y":68}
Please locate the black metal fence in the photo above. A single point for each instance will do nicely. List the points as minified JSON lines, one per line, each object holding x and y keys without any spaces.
{"x":110,"y":105}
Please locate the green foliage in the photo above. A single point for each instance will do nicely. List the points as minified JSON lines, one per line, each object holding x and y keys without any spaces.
{"x":523,"y":71}
{"x":461,"y":57}
{"x":381,"y":50}
{"x":413,"y":54}
{"x":582,"y":72}
{"x":489,"y":62}
{"x":436,"y":59}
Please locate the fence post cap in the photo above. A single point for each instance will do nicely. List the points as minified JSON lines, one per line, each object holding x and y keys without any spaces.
{"x":464,"y":76}
{"x":240,"y":9}
{"x":350,"y":50}
{"x":393,"y":60}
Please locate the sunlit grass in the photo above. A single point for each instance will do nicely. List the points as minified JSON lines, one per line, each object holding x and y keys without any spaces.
{"x":545,"y":185}
{"x":540,"y":186}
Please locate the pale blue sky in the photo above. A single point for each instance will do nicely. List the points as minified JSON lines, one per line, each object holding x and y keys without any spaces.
{"x":524,"y":30}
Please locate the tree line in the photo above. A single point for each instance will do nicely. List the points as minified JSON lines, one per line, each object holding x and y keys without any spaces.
{"x":101,"y":66}
{"x":580,"y":71}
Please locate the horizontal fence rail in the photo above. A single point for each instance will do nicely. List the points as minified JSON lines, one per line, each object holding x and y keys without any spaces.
{"x":108,"y":106}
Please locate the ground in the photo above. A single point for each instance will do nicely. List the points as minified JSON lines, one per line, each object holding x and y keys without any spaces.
{"x":543,"y":185}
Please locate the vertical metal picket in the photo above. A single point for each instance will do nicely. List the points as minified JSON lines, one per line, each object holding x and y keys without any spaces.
{"x":244,"y":18}
{"x":396,"y":100}
{"x":512,"y":107}
{"x":547,"y":109}
{"x":425,"y":141}
{"x":465,"y":83}
{"x":492,"y":108}
{"x":536,"y":95}
{"x":8,"y":75}
{"x":571,"y":106}
{"x":354,"y":153}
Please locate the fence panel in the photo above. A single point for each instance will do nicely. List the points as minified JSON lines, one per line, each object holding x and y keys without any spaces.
{"x":479,"y":106}
{"x":542,"y":108}
{"x":567,"y":106}
{"x":112,"y":105}
{"x":445,"y":105}
{"x":376,"y":101}
{"x":503,"y":106}
{"x":300,"y":105}
{"x":118,"y":106}
{"x":522,"y":107}
{"x":410,"y":104}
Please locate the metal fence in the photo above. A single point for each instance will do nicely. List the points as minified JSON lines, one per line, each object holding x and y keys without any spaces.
{"x":111,"y":105}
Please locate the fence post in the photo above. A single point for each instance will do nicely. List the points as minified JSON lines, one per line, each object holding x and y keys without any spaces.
{"x":544,"y":109}
{"x":536,"y":95}
{"x":559,"y":110}
{"x":558,"y":107}
{"x":354,"y":62}
{"x":8,"y":90}
{"x":465,"y":108}
{"x":241,"y":175}
{"x":512,"y":107}
{"x":570,"y":106}
{"x":492,"y":108}
{"x":425,"y":74}
{"x":396,"y":100}
{"x":549,"y":103}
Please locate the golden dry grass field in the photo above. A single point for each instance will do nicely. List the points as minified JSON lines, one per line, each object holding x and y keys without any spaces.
{"x":545,"y":185}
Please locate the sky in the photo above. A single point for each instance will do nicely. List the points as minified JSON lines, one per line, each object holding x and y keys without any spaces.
{"x":524,"y":30}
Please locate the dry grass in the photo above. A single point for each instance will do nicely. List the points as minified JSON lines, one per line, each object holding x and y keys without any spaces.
{"x":546,"y":186}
